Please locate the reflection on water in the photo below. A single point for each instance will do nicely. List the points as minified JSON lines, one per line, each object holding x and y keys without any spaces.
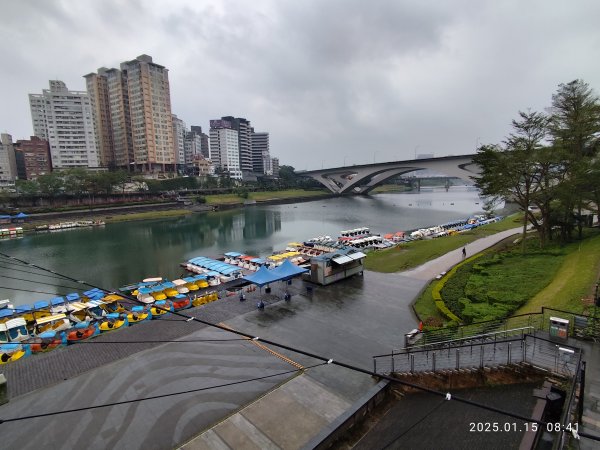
{"x":120,"y":253}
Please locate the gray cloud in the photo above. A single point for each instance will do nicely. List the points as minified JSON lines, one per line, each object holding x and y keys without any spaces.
{"x":330,"y":80}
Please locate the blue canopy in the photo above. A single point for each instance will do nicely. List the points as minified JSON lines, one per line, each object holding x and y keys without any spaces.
{"x":288,"y":270}
{"x":23,"y":308}
{"x":261,"y":277}
{"x":72,"y":297}
{"x":144,"y":291}
{"x":21,"y":215}
{"x":41,"y":304}
{"x":4,"y":216}
{"x":233,"y":254}
{"x":57,"y":301}
{"x":6,"y":312}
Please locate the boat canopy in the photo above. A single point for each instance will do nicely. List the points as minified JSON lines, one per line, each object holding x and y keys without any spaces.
{"x":13,"y":323}
{"x":84,"y":324}
{"x":178,"y":282}
{"x":137,"y":308}
{"x":94,"y":303}
{"x":57,"y":301}
{"x":23,"y":308}
{"x":144,"y":291}
{"x":160,"y":302}
{"x":47,"y":319}
{"x":258,"y":261}
{"x":158,"y":288}
{"x":168,"y":285}
{"x":199,"y":277}
{"x":10,"y":347}
{"x":212,"y":273}
{"x":72,"y":297}
{"x":6,"y":312}
{"x":233,"y":254}
{"x":41,"y":304}
{"x":113,"y":316}
{"x":47,"y":334}
{"x":214,"y":265}
{"x":76,"y":306}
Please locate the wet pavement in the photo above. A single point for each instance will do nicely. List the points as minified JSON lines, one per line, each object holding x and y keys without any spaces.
{"x":348,"y":321}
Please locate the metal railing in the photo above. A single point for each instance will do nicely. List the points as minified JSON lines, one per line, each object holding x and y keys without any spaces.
{"x":539,"y":352}
{"x":586,"y":326}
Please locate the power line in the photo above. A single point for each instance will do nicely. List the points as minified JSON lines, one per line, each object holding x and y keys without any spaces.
{"x":42,"y":282}
{"x":94,"y":341}
{"x":33,"y":291}
{"x":32,"y":273}
{"x":154,"y":397}
{"x":329,"y":360}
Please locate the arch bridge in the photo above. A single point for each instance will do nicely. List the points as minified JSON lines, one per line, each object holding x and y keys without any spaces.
{"x":360,"y":179}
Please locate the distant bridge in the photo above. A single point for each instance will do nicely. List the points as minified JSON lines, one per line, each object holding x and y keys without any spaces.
{"x":360,"y":179}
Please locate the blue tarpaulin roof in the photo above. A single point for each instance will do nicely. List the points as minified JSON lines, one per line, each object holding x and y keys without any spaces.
{"x":261,"y":277}
{"x":288,"y":270}
{"x":21,"y":215}
{"x":57,"y":301}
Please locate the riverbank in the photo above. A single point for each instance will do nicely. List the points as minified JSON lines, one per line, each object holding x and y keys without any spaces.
{"x":149,"y":211}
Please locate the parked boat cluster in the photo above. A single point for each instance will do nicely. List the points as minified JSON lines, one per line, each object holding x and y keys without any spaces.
{"x":69,"y":225}
{"x":47,"y":325}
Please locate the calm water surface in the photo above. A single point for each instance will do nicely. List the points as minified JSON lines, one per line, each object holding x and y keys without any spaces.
{"x":117,"y":254}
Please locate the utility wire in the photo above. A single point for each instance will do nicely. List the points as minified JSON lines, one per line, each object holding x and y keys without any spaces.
{"x":154,"y":397}
{"x":331,"y":361}
{"x":42,"y":282}
{"x":435,"y":408}
{"x":32,"y":273}
{"x":94,"y":341}
{"x":35,"y":292}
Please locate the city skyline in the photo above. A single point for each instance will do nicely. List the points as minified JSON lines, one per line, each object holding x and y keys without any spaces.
{"x":334,"y":83}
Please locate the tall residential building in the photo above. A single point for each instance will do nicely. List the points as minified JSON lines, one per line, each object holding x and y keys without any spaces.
{"x":224,"y":148}
{"x":97,"y":88}
{"x":244,"y":129}
{"x":275,"y":166}
{"x":137,"y":103}
{"x":204,"y":143}
{"x":8,"y":163}
{"x":260,"y":152}
{"x":64,"y":119}
{"x":33,"y":158}
{"x":179,"y":136}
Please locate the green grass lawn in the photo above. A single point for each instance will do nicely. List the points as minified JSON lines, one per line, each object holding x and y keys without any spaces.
{"x":146,"y":215}
{"x":513,"y":284}
{"x":413,"y":254}
{"x":228,"y":199}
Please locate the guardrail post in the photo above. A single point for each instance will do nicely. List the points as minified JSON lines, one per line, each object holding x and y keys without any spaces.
{"x":412,"y":363}
{"x":433,"y":361}
{"x":481,"y":356}
{"x":508,"y":357}
{"x":556,"y":360}
{"x":374,"y":365}
{"x":393,"y":361}
{"x":524,"y":350}
{"x":457,"y":359}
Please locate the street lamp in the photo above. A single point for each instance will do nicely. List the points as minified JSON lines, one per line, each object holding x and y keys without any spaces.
{"x":416,"y":147}
{"x":374,"y":156}
{"x":345,"y":160}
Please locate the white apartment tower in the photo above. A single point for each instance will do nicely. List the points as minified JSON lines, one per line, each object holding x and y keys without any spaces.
{"x":64,"y":119}
{"x":224,"y":148}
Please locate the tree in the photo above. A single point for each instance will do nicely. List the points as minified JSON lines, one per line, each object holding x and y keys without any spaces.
{"x":50,"y":184}
{"x":27,"y":187}
{"x":513,"y":170}
{"x":575,"y":128}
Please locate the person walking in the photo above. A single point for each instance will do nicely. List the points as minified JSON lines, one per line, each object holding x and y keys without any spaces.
{"x":464,"y":252}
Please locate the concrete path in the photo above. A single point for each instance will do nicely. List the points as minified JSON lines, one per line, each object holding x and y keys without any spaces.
{"x":431,"y":269}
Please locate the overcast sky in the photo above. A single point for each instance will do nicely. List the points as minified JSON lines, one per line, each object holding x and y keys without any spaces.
{"x":333,"y":82}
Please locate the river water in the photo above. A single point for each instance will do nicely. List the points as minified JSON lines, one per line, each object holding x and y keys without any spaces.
{"x":120,"y":253}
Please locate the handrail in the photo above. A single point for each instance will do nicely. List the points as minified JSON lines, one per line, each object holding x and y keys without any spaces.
{"x":442,"y":343}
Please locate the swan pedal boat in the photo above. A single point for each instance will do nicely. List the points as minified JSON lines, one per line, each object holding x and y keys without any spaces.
{"x":13,"y":352}
{"x":111,"y":322}
{"x":138,"y":314}
{"x":47,"y":341}
{"x":81,"y":331}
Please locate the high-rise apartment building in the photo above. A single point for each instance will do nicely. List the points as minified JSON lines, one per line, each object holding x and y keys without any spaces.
{"x":97,"y":88}
{"x":64,"y":119}
{"x":179,"y":136}
{"x":33,"y":158}
{"x":260,"y":152}
{"x":275,"y":166}
{"x":8,"y":163}
{"x":244,"y":129}
{"x":204,"y":141}
{"x":224,"y":148}
{"x":137,"y":101}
